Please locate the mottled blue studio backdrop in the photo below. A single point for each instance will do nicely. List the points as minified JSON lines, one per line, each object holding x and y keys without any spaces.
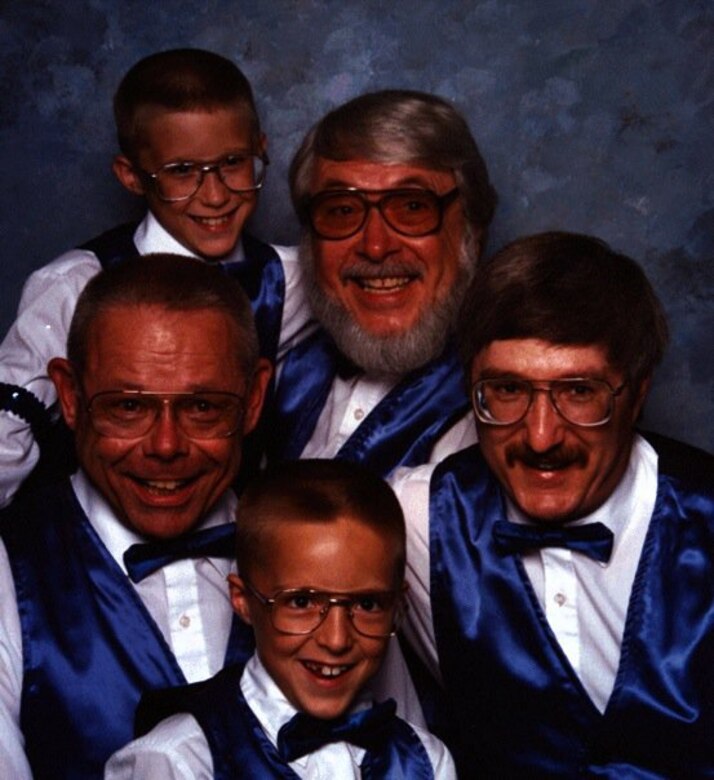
{"x":593,"y":115}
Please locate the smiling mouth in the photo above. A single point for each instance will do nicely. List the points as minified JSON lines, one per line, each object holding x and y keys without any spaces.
{"x":383,"y":285}
{"x":327,"y":671}
{"x":213,"y":222}
{"x":163,"y":487}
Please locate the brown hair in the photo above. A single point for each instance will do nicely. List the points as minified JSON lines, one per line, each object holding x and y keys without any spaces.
{"x":179,"y":80}
{"x":566,"y":288}
{"x":319,"y":491}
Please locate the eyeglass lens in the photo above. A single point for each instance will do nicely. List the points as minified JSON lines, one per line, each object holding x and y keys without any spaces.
{"x":301,"y":612}
{"x":580,"y":401}
{"x":239,"y":173}
{"x":126,"y":415}
{"x":410,"y":212}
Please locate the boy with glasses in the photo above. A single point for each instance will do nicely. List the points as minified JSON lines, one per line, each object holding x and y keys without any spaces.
{"x":320,"y":549}
{"x":191,"y":145}
{"x":561,"y":572}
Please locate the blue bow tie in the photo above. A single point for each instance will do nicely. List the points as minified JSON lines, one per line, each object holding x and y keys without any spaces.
{"x":304,"y":733}
{"x":141,"y":560}
{"x":594,"y":539}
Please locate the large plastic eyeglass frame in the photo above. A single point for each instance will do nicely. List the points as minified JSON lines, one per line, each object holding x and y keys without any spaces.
{"x":203,"y":169}
{"x":480,"y":409}
{"x":441,"y":201}
{"x":115,"y":432}
{"x":333,"y":600}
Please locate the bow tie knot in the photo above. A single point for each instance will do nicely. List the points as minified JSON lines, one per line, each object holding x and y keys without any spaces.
{"x":593,"y":539}
{"x":144,"y":559}
{"x":305,"y":733}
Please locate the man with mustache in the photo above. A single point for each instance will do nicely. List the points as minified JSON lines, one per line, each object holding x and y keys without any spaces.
{"x":561,"y":572}
{"x":114,"y":582}
{"x":395,"y":202}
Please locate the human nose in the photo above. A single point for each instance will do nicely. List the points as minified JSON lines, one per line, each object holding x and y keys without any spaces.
{"x":165,"y":438}
{"x":544,"y":425}
{"x":211,"y":189}
{"x":335,"y":633}
{"x":377,"y":239}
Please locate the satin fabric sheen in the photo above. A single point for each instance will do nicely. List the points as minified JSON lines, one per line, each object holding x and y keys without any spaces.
{"x":400,"y":431}
{"x":90,"y":648}
{"x":518,"y":706}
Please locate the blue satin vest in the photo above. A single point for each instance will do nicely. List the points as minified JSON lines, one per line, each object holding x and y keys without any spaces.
{"x":519,"y":707}
{"x":90,"y":648}
{"x":400,"y":431}
{"x":240,"y":747}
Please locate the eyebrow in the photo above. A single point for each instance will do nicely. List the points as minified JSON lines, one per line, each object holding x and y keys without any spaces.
{"x":408,"y":182}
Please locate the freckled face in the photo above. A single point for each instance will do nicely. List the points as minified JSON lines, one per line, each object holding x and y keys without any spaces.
{"x":386,"y":281}
{"x":320,"y":673}
{"x":210,"y":223}
{"x":555,"y":471}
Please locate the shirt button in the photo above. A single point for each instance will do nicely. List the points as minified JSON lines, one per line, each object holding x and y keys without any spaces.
{"x":359,"y":414}
{"x":184,"y":621}
{"x":560,"y":599}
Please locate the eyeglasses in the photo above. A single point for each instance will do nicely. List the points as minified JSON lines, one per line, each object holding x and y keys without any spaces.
{"x":181,"y":180}
{"x":130,"y":414}
{"x":584,"y":402}
{"x":338,"y":214}
{"x":301,"y":611}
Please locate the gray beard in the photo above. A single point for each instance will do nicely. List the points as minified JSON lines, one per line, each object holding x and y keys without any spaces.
{"x":397,"y":353}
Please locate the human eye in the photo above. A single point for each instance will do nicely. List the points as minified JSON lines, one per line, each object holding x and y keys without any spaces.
{"x":124,"y":408}
{"x":507,"y":389}
{"x":339,"y":207}
{"x":179,"y":170}
{"x":234,"y":161}
{"x":579,"y":392}
{"x":370,"y":603}
{"x":203,"y":407}
{"x":301,"y":601}
{"x":411,"y":206}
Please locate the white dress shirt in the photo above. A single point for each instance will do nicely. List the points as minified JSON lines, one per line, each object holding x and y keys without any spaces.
{"x":40,"y":333}
{"x":351,"y":400}
{"x":188,"y":600}
{"x":178,"y":750}
{"x":584,"y":601}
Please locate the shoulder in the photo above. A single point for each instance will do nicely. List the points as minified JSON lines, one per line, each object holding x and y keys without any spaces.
{"x":689,"y":466}
{"x":175,"y":748}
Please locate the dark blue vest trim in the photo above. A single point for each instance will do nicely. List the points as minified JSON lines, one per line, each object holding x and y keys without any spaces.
{"x":400,"y":431}
{"x":520,"y":707}
{"x":90,"y":648}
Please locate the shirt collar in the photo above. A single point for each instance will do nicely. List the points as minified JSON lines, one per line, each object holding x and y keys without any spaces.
{"x":116,"y":536}
{"x":272,"y":709}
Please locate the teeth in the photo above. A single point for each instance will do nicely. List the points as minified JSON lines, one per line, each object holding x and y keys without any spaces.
{"x":385,"y":284}
{"x":212,"y":221}
{"x":325,"y":670}
{"x":163,"y":485}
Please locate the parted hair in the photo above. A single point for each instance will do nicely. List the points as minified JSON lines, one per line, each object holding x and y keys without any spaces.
{"x":315,"y":491}
{"x":172,"y":282}
{"x":179,"y":80}
{"x":566,"y":288}
{"x":398,"y":126}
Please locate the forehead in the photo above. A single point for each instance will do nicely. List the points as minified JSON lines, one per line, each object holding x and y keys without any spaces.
{"x":369,"y":175}
{"x":193,"y":135}
{"x":150,"y":347}
{"x":340,"y":554}
{"x":538,"y":359}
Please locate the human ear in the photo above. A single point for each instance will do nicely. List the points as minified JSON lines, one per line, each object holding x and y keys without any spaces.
{"x":128,"y":175}
{"x":639,"y":397}
{"x":63,"y":375}
{"x":256,"y":394}
{"x":239,"y":598}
